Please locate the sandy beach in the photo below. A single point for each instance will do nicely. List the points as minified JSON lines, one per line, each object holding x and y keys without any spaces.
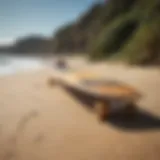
{"x":38,"y":122}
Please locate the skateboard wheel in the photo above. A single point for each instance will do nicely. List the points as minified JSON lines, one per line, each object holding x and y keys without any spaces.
{"x":101,"y":110}
{"x":130,"y":110}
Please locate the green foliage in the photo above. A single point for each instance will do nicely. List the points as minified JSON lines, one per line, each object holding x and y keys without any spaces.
{"x":144,"y":46}
{"x":78,"y":35}
{"x":133,"y":37}
{"x":113,"y":37}
{"x":126,"y":30}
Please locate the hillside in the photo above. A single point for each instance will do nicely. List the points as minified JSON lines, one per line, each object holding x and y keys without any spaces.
{"x":30,"y":44}
{"x":126,"y":29}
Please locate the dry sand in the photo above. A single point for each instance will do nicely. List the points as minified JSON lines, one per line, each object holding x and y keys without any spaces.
{"x":42,"y":123}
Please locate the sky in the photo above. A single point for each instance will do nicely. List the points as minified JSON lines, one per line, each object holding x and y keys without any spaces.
{"x":24,"y":17}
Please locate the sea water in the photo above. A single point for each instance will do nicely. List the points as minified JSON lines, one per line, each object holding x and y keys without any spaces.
{"x":10,"y":64}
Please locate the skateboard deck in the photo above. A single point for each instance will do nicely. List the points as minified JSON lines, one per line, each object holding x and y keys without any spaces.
{"x":104,"y":92}
{"x":97,"y":86}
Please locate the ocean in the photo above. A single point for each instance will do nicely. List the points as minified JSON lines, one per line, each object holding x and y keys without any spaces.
{"x":11,"y":64}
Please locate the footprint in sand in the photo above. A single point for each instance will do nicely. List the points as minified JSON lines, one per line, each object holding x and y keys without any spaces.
{"x":39,"y":138}
{"x":25,"y":120}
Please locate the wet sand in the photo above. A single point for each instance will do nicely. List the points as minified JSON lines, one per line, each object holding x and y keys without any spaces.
{"x":42,"y":123}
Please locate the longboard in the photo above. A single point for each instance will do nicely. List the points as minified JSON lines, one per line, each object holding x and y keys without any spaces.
{"x":108,"y":95}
